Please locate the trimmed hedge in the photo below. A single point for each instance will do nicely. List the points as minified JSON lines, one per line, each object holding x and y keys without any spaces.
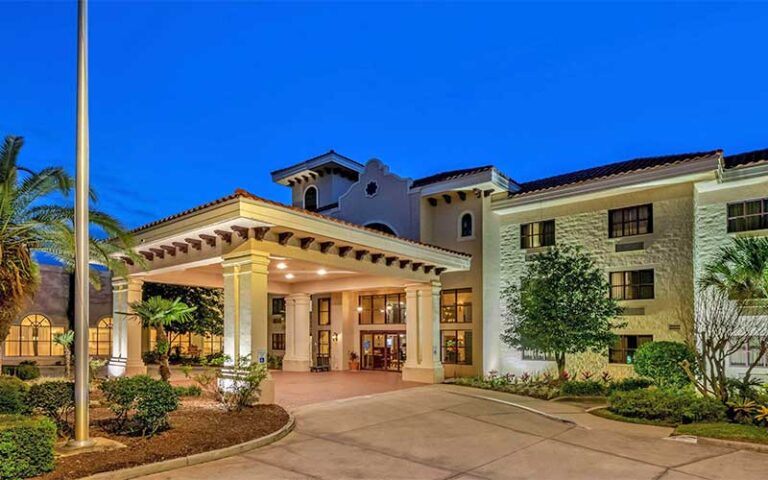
{"x":188,"y":391}
{"x":55,"y":399}
{"x":26,"y":370}
{"x":666,"y":406}
{"x":585,"y":388}
{"x":660,"y":361}
{"x":26,"y":446}
{"x":148,"y":399}
{"x":629,"y":384}
{"x":13,"y":393}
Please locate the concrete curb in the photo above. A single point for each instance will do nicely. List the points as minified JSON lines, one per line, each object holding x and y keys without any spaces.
{"x":521,"y":407}
{"x":572,"y":398}
{"x":717,"y":442}
{"x":203,"y":457}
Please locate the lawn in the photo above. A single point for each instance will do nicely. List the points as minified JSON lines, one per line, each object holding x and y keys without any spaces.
{"x":726,"y":431}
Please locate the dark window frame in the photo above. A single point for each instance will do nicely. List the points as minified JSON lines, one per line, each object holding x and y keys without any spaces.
{"x":630,"y":226}
{"x":633,"y":286}
{"x":454,"y":307}
{"x":392,"y":316}
{"x":278,"y":341}
{"x":449,"y":354}
{"x":545,"y":237}
{"x":321,"y":303}
{"x":626,"y":350}
{"x":467,"y":230}
{"x":316,"y":199}
{"x":747,"y":222}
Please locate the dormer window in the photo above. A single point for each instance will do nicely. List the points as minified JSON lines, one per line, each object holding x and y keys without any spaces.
{"x":466,"y":226}
{"x":310,"y":198}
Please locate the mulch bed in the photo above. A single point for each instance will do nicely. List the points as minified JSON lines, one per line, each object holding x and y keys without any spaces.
{"x":195,"y":428}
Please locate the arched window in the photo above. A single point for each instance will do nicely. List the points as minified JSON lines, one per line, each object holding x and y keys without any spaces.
{"x":100,"y":338}
{"x":310,"y":198}
{"x":381,"y":227}
{"x":466,"y":225}
{"x":33,"y":337}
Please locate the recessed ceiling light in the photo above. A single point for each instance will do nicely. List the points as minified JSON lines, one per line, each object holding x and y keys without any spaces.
{"x":289,"y":276}
{"x":322,"y":271}
{"x":281,"y":266}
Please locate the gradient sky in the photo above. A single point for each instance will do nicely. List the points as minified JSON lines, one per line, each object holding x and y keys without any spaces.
{"x":192,"y":100}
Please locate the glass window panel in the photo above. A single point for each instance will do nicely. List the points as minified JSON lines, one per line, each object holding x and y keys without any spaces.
{"x":379,"y":309}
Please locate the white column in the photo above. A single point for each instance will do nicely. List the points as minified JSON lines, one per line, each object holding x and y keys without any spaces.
{"x":126,"y":329}
{"x":245,"y":315}
{"x":422,"y":303}
{"x":297,"y":342}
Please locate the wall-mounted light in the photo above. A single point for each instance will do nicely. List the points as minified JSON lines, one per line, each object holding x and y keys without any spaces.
{"x":281,"y":266}
{"x":359,"y":309}
{"x":322,"y":272}
{"x":335,"y":337}
{"x":289,"y":276}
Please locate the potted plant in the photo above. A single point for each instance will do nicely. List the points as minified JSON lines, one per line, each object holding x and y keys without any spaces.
{"x":354,"y":363}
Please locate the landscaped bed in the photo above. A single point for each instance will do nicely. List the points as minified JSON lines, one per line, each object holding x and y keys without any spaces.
{"x":194,"y":429}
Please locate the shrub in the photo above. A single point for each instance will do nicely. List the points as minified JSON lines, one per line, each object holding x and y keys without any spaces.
{"x":629,"y":384}
{"x":667,"y":406}
{"x":190,"y":391}
{"x":151,"y":357}
{"x":584,"y":388}
{"x":55,"y":400}
{"x":26,"y":446}
{"x":660,"y":361}
{"x":13,"y":393}
{"x":243,"y":388}
{"x":148,"y":399}
{"x":26,"y":370}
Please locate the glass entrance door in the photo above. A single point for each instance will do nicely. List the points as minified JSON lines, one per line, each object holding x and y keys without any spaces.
{"x":382,"y":350}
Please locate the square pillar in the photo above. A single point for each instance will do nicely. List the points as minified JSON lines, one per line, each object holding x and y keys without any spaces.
{"x":422,"y":303}
{"x":127,"y":329}
{"x":298,"y":347}
{"x":246,"y":315}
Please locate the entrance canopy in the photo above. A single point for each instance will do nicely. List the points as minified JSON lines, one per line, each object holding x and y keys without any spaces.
{"x":326,"y":254}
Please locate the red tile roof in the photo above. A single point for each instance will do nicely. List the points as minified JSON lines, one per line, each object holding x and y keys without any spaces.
{"x":240,"y":193}
{"x":452,"y":175}
{"x":606,"y":171}
{"x":746,"y":159}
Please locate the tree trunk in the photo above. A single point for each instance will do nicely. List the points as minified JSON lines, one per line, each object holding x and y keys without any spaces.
{"x":164,"y":350}
{"x":560,"y":359}
{"x":67,"y":362}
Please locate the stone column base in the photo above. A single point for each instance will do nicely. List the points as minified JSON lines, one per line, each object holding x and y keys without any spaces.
{"x":118,"y":367}
{"x":424,"y":375}
{"x":296,"y":365}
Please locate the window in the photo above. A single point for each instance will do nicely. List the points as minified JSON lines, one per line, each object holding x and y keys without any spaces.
{"x":278,"y":341}
{"x":456,"y":306}
{"x":749,"y":215}
{"x":33,"y":337}
{"x":632,"y":285}
{"x":623,"y":351}
{"x":190,"y":344}
{"x":310,"y":198}
{"x":381,"y":309}
{"x":748,"y":353}
{"x":466,"y":225}
{"x":100,"y":338}
{"x":537,"y":234}
{"x":324,"y":311}
{"x":456,"y":347}
{"x":624,"y":222}
{"x":537,"y":355}
{"x":323,"y":348}
{"x":278,"y":306}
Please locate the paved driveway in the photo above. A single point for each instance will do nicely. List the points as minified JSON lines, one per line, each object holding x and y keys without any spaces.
{"x":439,"y":432}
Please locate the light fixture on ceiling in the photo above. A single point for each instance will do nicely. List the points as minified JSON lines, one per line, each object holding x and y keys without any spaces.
{"x":322,"y":271}
{"x":289,"y":276}
{"x":281,"y":266}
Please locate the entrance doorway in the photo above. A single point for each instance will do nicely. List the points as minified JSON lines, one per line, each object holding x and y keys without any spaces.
{"x":382,"y":350}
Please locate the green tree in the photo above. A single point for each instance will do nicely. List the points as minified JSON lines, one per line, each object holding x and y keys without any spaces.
{"x":35,"y":217}
{"x":740,"y":270}
{"x":561,"y":306}
{"x":66,"y":339}
{"x":662,"y":361}
{"x":160,"y":313}
{"x":208,"y":317}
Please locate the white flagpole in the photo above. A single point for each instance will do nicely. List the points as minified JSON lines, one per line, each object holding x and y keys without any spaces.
{"x":82,"y":255}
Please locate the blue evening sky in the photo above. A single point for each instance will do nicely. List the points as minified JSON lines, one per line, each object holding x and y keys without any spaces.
{"x":192,"y":100}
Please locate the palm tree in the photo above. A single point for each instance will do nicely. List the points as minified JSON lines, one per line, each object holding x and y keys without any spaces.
{"x":65,"y":339}
{"x":158,"y":312}
{"x":34,"y":217}
{"x":741,"y":269}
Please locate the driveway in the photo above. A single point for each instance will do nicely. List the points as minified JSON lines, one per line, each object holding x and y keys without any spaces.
{"x":442,"y":432}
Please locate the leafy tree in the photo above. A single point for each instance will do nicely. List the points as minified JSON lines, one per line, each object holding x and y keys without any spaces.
{"x":561,"y":306}
{"x":160,"y":313}
{"x":34,"y":218}
{"x":662,"y":362}
{"x":208,"y":317}
{"x":66,"y":339}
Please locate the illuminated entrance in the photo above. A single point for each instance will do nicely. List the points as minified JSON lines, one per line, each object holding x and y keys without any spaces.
{"x":382,"y":350}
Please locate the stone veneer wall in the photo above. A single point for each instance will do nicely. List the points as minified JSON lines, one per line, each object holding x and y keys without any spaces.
{"x":668,"y":250}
